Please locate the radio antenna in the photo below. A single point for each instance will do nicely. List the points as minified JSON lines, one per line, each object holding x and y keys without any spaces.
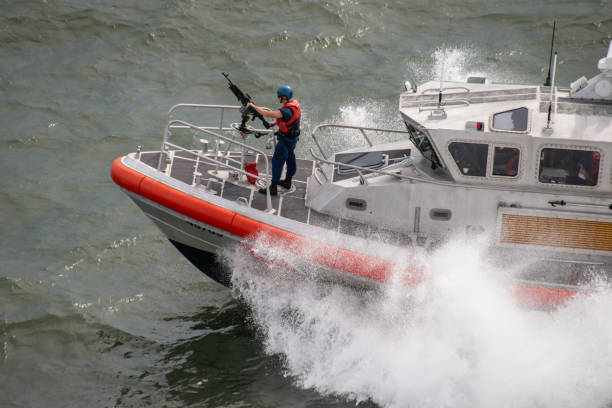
{"x":550,"y":61}
{"x":552,"y":87}
{"x":443,"y":61}
{"x":441,"y":80}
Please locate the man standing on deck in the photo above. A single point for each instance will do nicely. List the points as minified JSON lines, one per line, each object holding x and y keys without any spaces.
{"x":288,"y":122}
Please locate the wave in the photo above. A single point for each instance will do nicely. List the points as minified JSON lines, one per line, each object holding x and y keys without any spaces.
{"x":461,"y":340}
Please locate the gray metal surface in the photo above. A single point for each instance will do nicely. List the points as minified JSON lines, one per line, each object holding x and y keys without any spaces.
{"x":233,"y":191}
{"x":408,"y":100}
{"x":183,"y":167}
{"x":580,"y":107}
{"x":371,"y":160}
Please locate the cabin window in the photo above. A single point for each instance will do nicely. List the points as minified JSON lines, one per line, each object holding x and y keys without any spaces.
{"x":569,"y":166}
{"x":506,"y":161}
{"x":515,"y":120}
{"x":471,"y":158}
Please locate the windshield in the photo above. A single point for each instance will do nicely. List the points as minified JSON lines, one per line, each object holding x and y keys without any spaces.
{"x":420,"y":139}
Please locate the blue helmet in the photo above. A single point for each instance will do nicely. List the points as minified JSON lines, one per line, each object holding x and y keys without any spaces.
{"x":284,"y":91}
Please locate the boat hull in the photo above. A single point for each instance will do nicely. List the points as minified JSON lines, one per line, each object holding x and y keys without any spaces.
{"x":202,"y":230}
{"x":205,"y":261}
{"x":202,"y":225}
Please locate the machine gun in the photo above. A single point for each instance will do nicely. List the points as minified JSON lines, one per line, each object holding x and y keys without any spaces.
{"x":246,"y":112}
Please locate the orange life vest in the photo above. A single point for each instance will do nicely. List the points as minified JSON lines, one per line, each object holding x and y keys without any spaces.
{"x":291,"y":127}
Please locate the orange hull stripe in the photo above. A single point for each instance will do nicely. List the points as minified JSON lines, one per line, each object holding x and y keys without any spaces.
{"x":307,"y":248}
{"x":363,"y":265}
{"x":126,"y":177}
{"x":187,"y":205}
{"x":534,"y":296}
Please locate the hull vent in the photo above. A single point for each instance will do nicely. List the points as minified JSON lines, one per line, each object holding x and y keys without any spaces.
{"x":556,"y":232}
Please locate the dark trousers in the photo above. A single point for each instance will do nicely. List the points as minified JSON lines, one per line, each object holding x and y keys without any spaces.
{"x":283,"y":152}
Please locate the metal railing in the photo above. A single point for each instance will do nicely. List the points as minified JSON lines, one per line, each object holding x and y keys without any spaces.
{"x":450,"y":88}
{"x":360,"y":170}
{"x":222,"y":109}
{"x":393,"y":170}
{"x":324,"y":159}
{"x":448,"y":101}
{"x":361,"y":129}
{"x":222,"y":160}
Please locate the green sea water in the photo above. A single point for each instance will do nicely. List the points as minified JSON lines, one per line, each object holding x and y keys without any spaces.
{"x":97,"y":309}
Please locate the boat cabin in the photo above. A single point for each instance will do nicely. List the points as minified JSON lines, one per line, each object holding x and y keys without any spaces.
{"x":499,"y":159}
{"x":502,"y":134}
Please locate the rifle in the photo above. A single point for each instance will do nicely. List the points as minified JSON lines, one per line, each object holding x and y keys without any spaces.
{"x":244,"y":99}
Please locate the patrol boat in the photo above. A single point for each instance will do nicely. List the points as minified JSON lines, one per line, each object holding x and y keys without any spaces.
{"x":528,"y":166}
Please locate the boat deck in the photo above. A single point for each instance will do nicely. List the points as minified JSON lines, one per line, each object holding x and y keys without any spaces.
{"x":290,"y":204}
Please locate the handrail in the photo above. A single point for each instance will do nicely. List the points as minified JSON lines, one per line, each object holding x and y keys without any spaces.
{"x":362,"y":129}
{"x":413,"y":178}
{"x":192,"y":106}
{"x":359,"y":168}
{"x":465,"y":89}
{"x":197,"y":106}
{"x":399,"y":175}
{"x":269,"y":207}
{"x":453,"y":103}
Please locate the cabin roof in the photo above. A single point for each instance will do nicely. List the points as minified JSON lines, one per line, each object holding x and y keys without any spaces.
{"x":465,"y":103}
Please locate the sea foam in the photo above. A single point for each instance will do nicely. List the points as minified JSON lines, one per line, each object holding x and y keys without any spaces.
{"x":460,"y":339}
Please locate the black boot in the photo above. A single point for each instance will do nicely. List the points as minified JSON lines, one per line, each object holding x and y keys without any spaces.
{"x":273,"y":191}
{"x":286,"y":183}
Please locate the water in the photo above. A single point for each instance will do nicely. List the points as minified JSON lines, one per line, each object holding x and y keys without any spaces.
{"x":97,"y":308}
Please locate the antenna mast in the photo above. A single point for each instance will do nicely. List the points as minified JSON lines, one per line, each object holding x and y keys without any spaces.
{"x":443,"y":61}
{"x":441,"y":81}
{"x":550,"y":61}
{"x":548,"y":130}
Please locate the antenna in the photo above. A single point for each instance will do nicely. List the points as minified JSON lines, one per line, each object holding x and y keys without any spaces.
{"x":441,"y":80}
{"x":548,"y":130}
{"x":550,"y":61}
{"x":443,"y":61}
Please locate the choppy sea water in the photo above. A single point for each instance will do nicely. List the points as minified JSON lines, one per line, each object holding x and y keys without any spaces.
{"x":97,"y":309}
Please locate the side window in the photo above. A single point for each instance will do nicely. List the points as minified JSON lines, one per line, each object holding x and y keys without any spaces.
{"x":515,"y":120}
{"x":471,"y":158}
{"x":568,"y":166}
{"x":506,"y":161}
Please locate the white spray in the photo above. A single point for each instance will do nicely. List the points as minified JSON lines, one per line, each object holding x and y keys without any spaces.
{"x":458,"y":340}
